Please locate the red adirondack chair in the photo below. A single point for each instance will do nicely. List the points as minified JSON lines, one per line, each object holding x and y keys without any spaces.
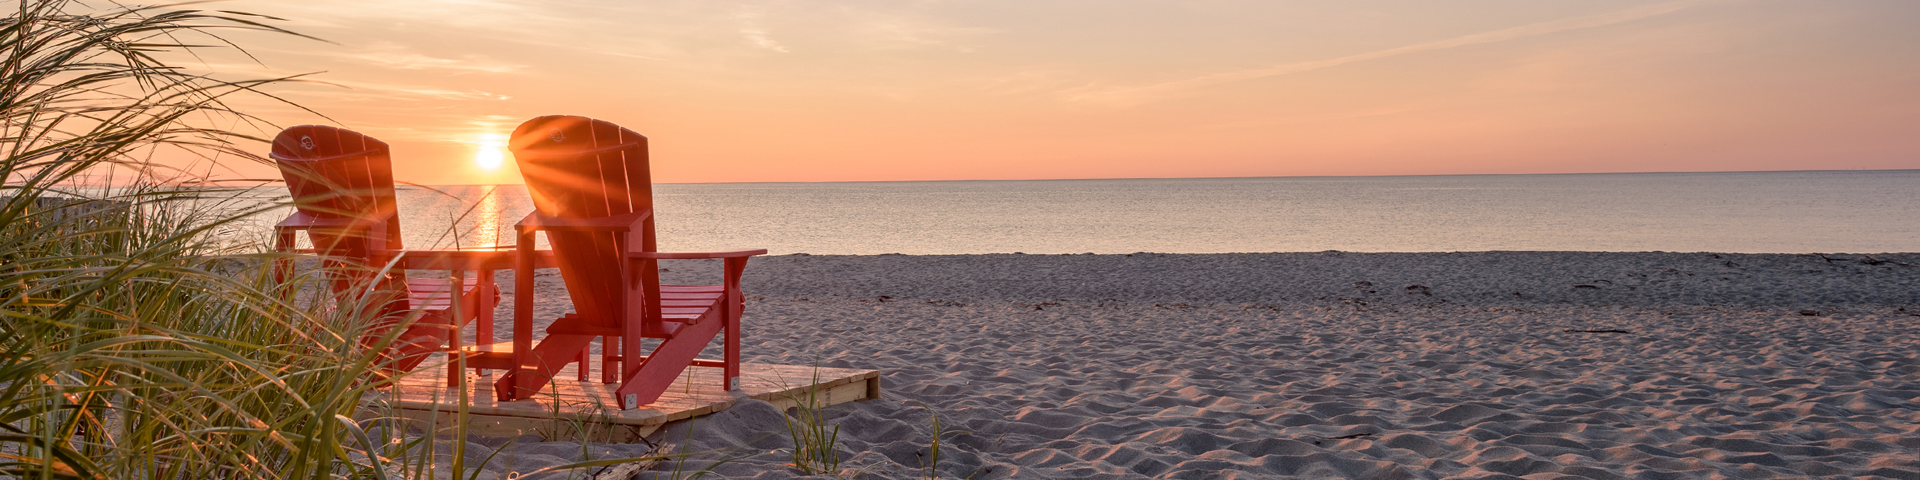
{"x":342,"y":185}
{"x":593,"y":196}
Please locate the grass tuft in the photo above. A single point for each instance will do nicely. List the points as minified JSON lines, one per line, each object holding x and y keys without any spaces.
{"x":816,"y":448}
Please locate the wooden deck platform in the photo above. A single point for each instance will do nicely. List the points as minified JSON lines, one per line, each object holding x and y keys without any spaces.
{"x":573,"y":410}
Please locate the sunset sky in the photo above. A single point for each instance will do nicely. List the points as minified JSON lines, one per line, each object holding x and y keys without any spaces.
{"x":805,"y":90}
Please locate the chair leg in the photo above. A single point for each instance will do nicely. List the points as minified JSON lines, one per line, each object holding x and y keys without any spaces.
{"x":661,"y":368}
{"x":453,"y":369}
{"x":730,"y":377}
{"x":283,"y":243}
{"x":454,"y":353}
{"x":542,"y":364}
{"x":482,"y":299}
{"x":609,"y":367}
{"x":423,"y":338}
{"x":585,"y":352}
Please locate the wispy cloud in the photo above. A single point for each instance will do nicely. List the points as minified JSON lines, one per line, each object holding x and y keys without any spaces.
{"x":450,"y":127}
{"x":415,"y":92}
{"x":398,"y":57}
{"x":1134,"y":95}
{"x":750,"y":29}
{"x":338,"y":91}
{"x":895,"y":30}
{"x":760,"y":39}
{"x":336,"y":88}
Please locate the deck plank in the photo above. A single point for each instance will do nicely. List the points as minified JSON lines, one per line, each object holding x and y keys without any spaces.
{"x":424,"y":398}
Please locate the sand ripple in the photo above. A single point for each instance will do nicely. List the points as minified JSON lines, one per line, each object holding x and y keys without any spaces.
{"x":1333,"y":365}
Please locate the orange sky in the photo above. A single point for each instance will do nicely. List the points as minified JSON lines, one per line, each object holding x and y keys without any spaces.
{"x":803,"y":90}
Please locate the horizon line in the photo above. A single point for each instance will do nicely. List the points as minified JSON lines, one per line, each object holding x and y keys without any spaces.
{"x":1238,"y":177}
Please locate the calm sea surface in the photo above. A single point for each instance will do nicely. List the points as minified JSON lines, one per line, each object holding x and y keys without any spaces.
{"x":1758,"y":212}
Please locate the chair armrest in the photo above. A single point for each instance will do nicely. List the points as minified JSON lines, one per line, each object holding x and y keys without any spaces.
{"x":735,"y":267}
{"x":695,"y":255}
{"x":334,"y":226}
{"x":300,"y":220}
{"x":463,"y":259}
{"x":303,"y":221}
{"x":616,"y":223}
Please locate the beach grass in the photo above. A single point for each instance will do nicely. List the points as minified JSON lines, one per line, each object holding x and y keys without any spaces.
{"x":816,"y":445}
{"x":935,"y":431}
{"x":142,"y":332}
{"x":136,"y":342}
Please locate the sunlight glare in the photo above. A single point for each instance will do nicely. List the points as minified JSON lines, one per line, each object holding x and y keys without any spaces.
{"x":491,"y":153}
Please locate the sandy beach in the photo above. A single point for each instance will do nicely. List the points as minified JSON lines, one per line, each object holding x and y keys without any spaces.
{"x":1532,"y":365}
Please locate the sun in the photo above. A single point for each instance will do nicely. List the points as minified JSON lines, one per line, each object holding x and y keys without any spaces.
{"x":489,"y":155}
{"x":488,"y":158}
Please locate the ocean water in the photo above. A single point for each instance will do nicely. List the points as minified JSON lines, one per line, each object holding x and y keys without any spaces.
{"x":1745,"y":212}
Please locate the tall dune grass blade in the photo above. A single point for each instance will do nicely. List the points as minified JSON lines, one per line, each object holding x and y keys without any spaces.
{"x":815,"y":447}
{"x":137,"y":339}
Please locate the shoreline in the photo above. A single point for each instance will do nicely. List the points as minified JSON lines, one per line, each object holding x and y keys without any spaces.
{"x":1677,"y":365}
{"x":1577,"y":278}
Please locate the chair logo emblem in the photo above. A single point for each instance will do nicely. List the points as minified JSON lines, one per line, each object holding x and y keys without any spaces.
{"x":557,"y":136}
{"x":306,"y":142}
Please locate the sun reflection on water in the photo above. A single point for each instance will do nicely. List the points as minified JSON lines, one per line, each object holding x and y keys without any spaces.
{"x":486,"y":220}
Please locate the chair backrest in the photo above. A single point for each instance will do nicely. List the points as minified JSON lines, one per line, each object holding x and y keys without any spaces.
{"x":578,"y":167}
{"x":339,"y":173}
